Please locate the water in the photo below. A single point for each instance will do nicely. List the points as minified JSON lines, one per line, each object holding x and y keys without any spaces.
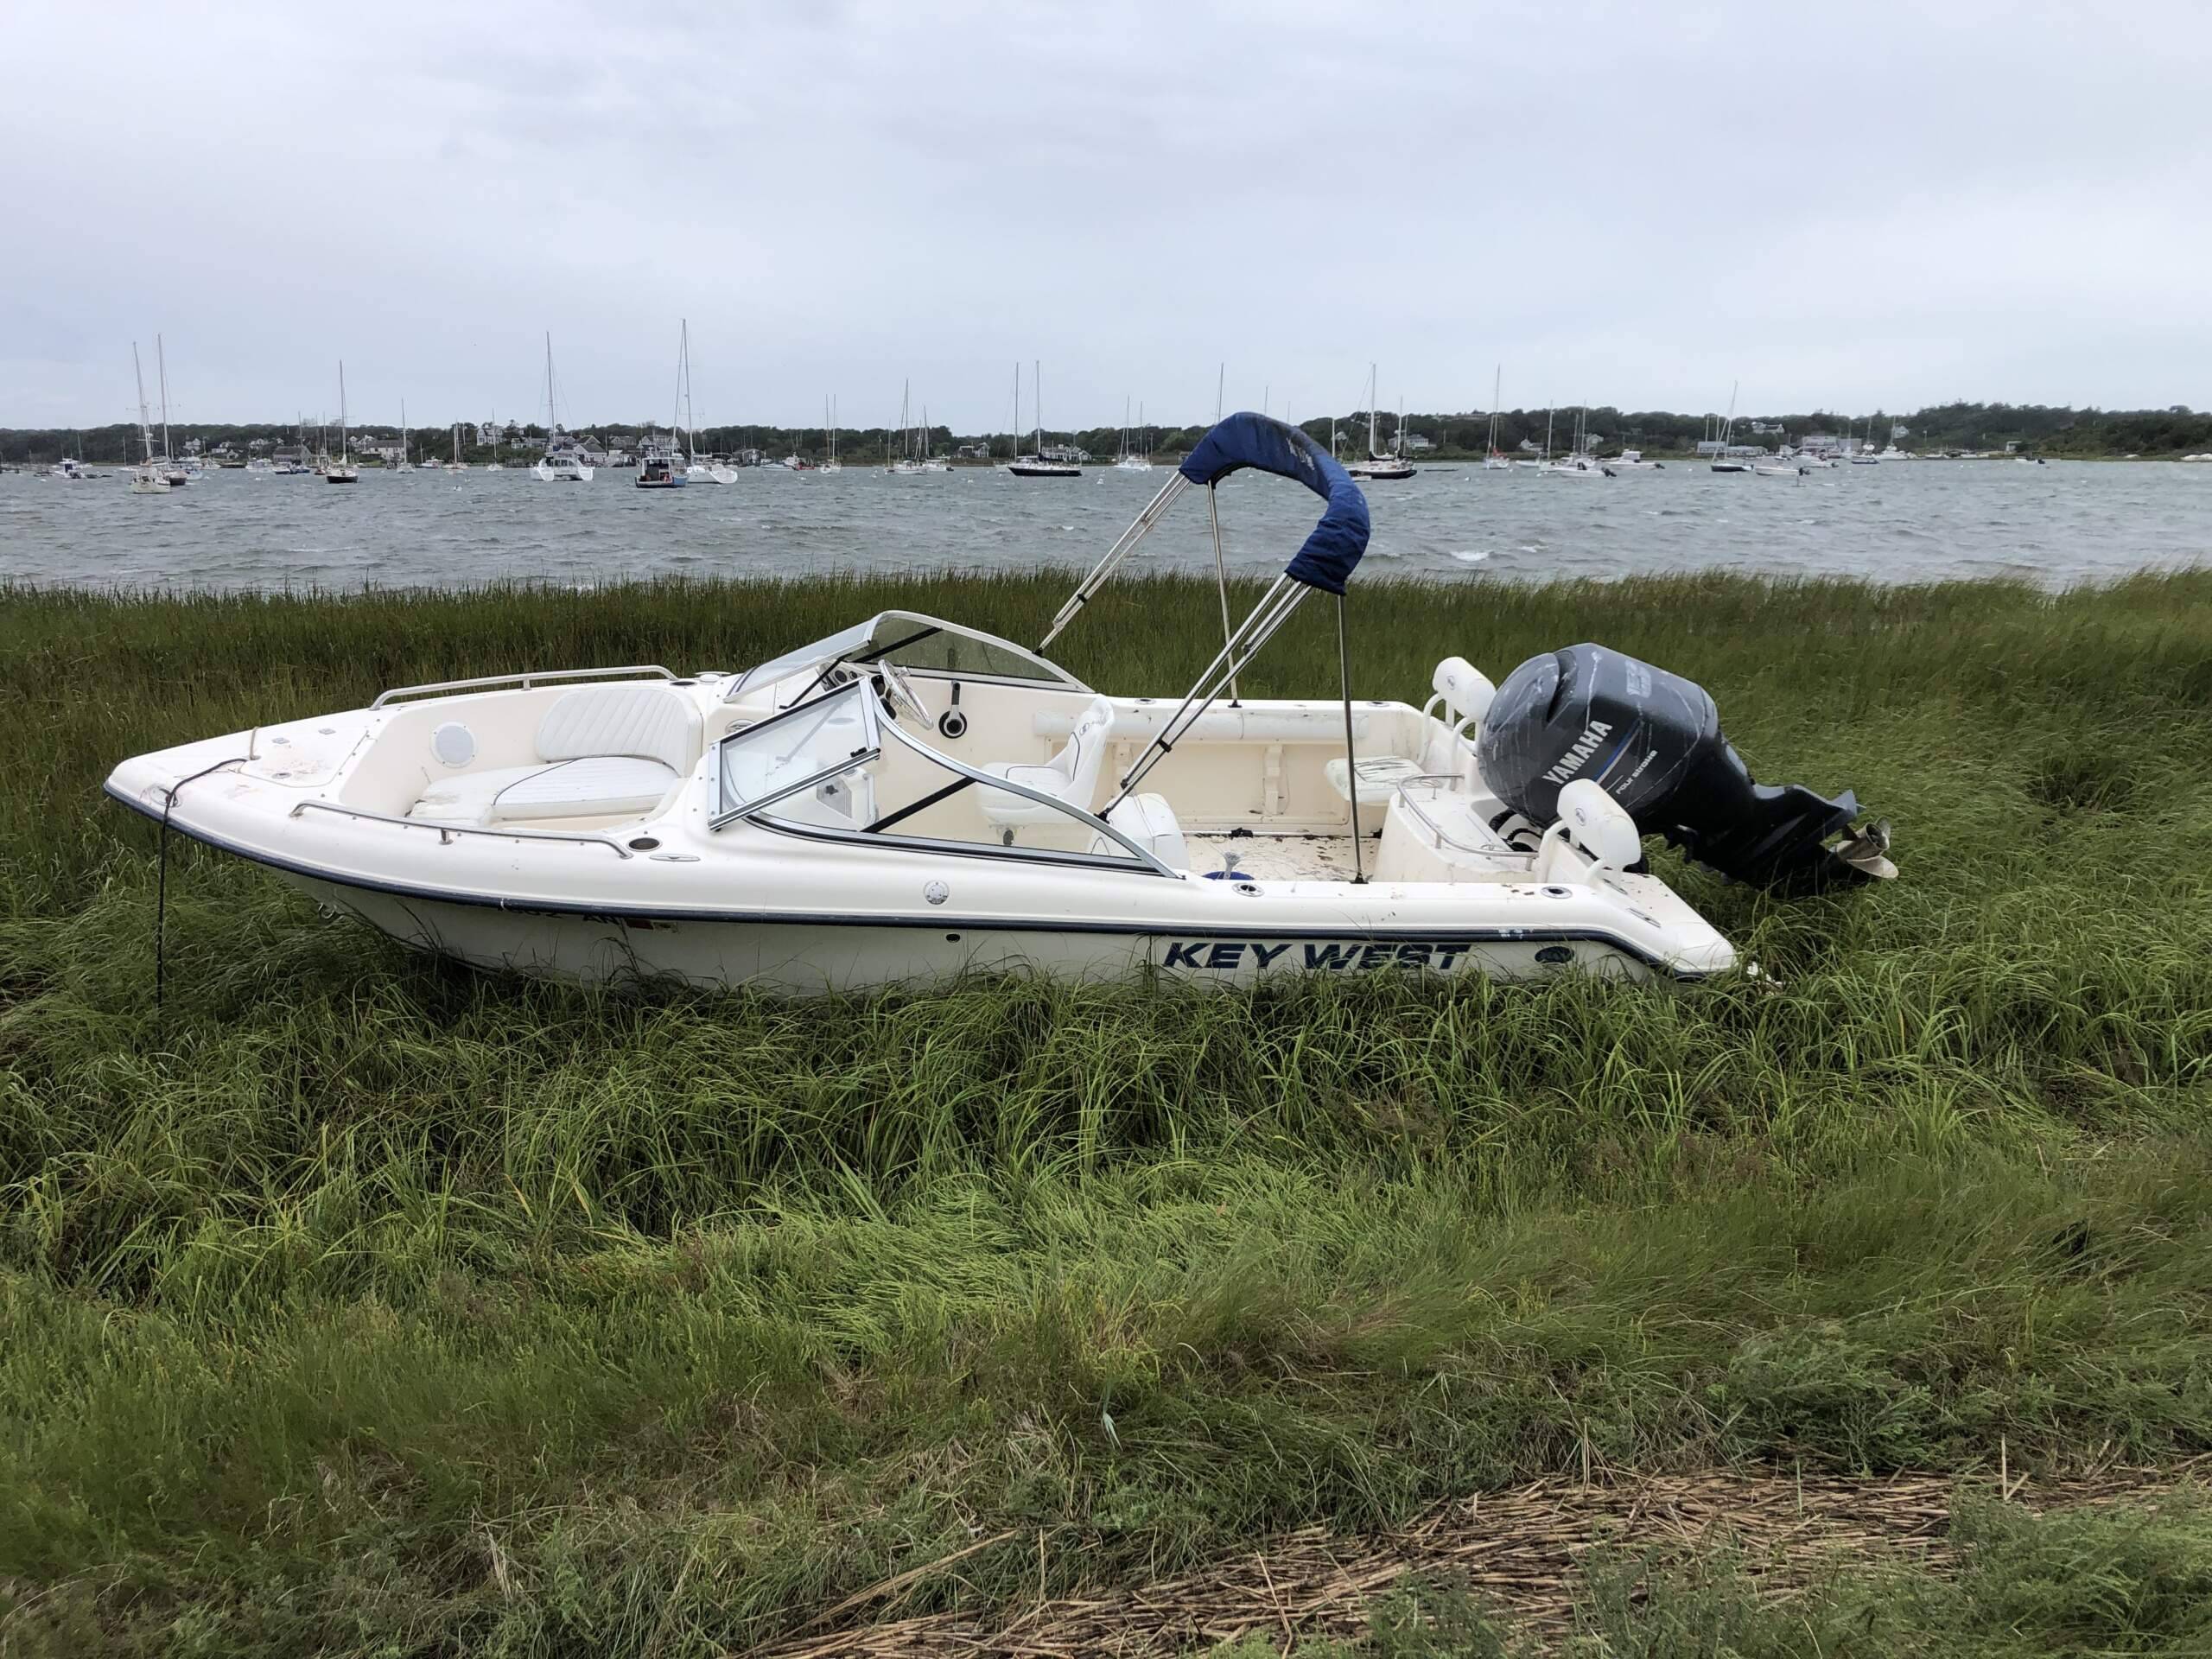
{"x":2056,"y":525}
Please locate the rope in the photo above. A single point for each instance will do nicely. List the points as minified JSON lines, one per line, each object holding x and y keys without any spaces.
{"x":162,"y":874}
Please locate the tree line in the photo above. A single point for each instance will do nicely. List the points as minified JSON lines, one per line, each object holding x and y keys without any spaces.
{"x":2049,"y":429}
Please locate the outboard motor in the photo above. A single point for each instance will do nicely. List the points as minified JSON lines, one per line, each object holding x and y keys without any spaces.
{"x":1652,"y":740}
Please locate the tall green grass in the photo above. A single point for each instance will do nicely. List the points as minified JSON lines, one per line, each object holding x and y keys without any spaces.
{"x":353,"y":1303}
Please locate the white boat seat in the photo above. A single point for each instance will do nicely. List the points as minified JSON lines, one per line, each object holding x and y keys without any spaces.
{"x":1071,"y":775}
{"x":1379,"y":776}
{"x":1150,"y":821}
{"x":603,"y":751}
{"x":595,"y":786}
{"x":1464,"y":695}
{"x":649,"y":722}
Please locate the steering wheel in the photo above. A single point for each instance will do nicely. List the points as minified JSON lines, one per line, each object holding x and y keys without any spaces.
{"x":899,"y":689}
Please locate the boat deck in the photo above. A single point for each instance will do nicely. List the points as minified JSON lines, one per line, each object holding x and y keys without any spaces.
{"x":1277,"y":858}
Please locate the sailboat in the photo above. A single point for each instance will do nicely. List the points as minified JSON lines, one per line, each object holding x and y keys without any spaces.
{"x":1578,"y":462}
{"x":345,"y":472}
{"x":561,"y":461}
{"x":146,"y":479}
{"x":908,"y":462}
{"x":829,"y":430}
{"x":456,"y":465}
{"x":657,"y":468}
{"x":177,"y":477}
{"x":1034,"y":464}
{"x":1720,"y":461}
{"x":1130,"y":461}
{"x":1379,"y":467}
{"x":697,"y":468}
{"x":403,"y":465}
{"x":1495,"y":460}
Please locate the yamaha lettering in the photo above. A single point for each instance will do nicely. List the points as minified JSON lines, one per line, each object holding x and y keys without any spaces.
{"x":1593,"y":737}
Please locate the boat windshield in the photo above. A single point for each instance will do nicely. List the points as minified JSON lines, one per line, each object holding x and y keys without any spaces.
{"x":843,"y":765}
{"x":763,"y":763}
{"x":910,"y":640}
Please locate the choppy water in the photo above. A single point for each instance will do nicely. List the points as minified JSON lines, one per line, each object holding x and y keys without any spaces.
{"x":2058,"y":524}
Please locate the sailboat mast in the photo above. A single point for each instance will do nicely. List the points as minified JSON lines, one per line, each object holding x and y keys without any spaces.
{"x":145,"y":432}
{"x":1372,"y":452}
{"x":343,"y":452}
{"x":1037,"y":368}
{"x":161,"y":362}
{"x":683,"y":357}
{"x":1016,"y":445}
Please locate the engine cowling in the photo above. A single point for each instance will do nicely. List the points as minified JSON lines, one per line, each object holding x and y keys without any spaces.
{"x":1652,"y":740}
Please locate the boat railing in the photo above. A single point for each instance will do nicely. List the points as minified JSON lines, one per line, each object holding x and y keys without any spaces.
{"x":447,"y":832}
{"x":1448,"y":783}
{"x":535,"y":677}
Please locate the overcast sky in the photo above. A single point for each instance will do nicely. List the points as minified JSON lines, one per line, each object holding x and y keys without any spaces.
{"x":1841,"y":206}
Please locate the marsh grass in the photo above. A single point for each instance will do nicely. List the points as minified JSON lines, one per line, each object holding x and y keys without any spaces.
{"x":356,"y":1304}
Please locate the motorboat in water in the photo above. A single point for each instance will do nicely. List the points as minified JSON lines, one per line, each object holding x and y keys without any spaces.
{"x":562,"y":467}
{"x":71,"y":471}
{"x":659,"y":470}
{"x":913,"y":799}
{"x":1632,"y":461}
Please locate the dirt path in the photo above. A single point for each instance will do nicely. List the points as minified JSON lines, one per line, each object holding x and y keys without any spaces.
{"x":1518,"y":1549}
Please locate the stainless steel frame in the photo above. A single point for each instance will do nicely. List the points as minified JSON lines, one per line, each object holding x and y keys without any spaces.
{"x":447,"y":832}
{"x":535,"y":676}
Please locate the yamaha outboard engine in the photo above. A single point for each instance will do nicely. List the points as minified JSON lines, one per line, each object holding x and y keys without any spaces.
{"x":1652,"y":740}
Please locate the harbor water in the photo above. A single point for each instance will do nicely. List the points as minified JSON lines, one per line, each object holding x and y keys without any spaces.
{"x":2058,"y":524}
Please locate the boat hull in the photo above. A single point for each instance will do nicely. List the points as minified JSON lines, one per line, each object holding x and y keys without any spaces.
{"x":811,"y":954}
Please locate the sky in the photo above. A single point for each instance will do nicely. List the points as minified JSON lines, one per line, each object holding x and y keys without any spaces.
{"x":1843,"y":207}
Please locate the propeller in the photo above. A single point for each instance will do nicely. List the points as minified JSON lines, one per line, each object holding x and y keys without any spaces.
{"x":1866,"y":850}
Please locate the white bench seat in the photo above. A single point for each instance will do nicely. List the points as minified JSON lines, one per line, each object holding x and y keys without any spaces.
{"x":593,"y":787}
{"x":1379,"y":776}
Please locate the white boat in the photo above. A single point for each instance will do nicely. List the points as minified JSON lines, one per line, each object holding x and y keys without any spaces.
{"x":404,"y":464}
{"x":342,"y":471}
{"x":1037,"y":463}
{"x":1780,"y":469}
{"x":457,"y":464}
{"x":1494,"y":459}
{"x":911,"y":799}
{"x":830,"y":433}
{"x":1721,"y":463}
{"x":172,"y":470}
{"x":657,"y":468}
{"x":72,"y":471}
{"x":1378,"y":468}
{"x":146,"y":479}
{"x":1580,"y":463}
{"x":1131,"y":460}
{"x":561,"y":463}
{"x":699,"y":471}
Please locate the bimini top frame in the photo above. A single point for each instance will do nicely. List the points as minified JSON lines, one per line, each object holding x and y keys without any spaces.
{"x":1326,"y":562}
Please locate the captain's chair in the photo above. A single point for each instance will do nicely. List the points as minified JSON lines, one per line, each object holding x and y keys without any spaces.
{"x":1464,"y":694}
{"x":1071,"y":775}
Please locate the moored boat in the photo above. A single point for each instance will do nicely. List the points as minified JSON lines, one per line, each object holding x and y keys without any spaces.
{"x":911,"y":799}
